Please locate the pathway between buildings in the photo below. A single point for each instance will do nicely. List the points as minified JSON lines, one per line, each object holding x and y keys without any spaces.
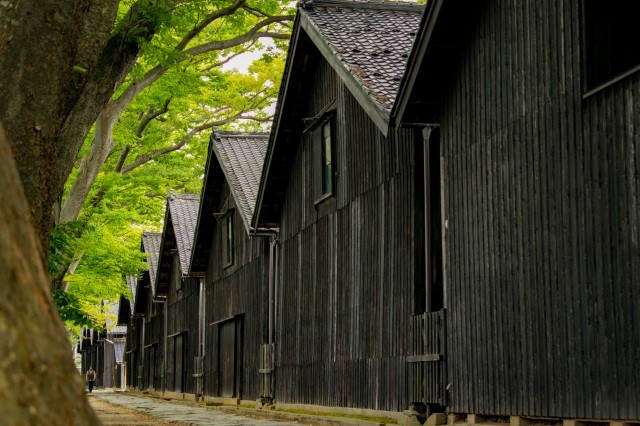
{"x":117,"y":408}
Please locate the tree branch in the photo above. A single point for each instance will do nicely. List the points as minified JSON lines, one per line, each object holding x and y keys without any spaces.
{"x":251,"y":34}
{"x":122,"y":158}
{"x":145,"y":158}
{"x":227,"y":59}
{"x":270,"y":34}
{"x":206,"y":21}
{"x":150,"y":115}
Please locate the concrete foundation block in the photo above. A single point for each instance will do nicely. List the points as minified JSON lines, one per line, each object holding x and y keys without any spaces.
{"x":436,"y":419}
{"x":409,"y":418}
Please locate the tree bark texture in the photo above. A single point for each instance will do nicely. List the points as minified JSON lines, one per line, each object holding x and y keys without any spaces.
{"x":42,"y":73}
{"x":53,"y":85}
{"x":39,"y":384}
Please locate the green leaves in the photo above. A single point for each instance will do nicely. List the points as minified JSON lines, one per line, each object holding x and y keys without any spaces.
{"x":161,"y":146}
{"x":70,"y":309}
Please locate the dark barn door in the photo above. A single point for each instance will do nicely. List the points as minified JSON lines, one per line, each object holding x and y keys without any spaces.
{"x":178,"y":356}
{"x":230,"y":358}
{"x":428,"y":360}
{"x":132,"y":369}
{"x":152,"y":367}
{"x":227,"y":357}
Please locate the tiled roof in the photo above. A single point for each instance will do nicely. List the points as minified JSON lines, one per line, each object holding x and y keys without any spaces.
{"x":112,"y":326}
{"x":151,"y":246}
{"x":132,"y":285}
{"x":371,"y":39}
{"x":241,"y":156}
{"x":184,"y":216}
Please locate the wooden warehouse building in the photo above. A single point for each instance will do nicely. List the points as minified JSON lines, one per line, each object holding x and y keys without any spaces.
{"x":174,"y":343}
{"x":342,"y":190}
{"x":234,"y":261}
{"x":530,"y":115}
{"x":144,"y":314}
{"x":461,"y":238}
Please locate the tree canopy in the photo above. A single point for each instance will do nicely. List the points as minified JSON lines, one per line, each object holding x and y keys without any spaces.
{"x":148,"y":82}
{"x":151,"y":137}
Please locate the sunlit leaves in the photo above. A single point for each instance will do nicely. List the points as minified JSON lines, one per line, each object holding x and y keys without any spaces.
{"x":200,"y":90}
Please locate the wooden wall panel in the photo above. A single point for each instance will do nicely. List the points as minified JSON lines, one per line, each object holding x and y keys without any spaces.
{"x":541,"y":205}
{"x":346,"y":277}
{"x":240,"y":293}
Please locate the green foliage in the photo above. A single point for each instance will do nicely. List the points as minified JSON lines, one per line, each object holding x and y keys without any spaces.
{"x":70,"y":309}
{"x":105,"y":240}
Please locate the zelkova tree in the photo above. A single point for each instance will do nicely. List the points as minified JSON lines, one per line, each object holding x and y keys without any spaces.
{"x":176,"y":90}
{"x":41,"y":43}
{"x":109,"y":38}
{"x":200,"y":40}
{"x":38,"y":382}
{"x":61,"y":62}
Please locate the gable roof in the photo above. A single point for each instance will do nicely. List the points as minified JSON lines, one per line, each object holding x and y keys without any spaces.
{"x":241,"y":156}
{"x":150,"y":245}
{"x":132,"y":285}
{"x":114,"y":326}
{"x":236,"y":158}
{"x":443,"y":27}
{"x":127,"y":302}
{"x":178,"y":233}
{"x":367,"y":45}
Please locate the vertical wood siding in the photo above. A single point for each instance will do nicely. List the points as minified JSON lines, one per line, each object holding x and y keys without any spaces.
{"x":346,"y":277}
{"x":541,"y":203}
{"x":182,"y":318}
{"x":153,"y":336}
{"x":133,"y":347}
{"x":237,"y":292}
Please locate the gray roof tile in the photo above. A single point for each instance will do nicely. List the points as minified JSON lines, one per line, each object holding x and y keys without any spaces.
{"x":371,"y":39}
{"x":151,"y":246}
{"x":184,"y":216}
{"x":132,"y":285}
{"x":112,"y":326}
{"x":241,"y":156}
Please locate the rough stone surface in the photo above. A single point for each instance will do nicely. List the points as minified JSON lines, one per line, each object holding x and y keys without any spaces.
{"x":167,"y":412}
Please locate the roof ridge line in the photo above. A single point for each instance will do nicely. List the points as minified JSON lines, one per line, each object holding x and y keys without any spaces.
{"x":364,"y":4}
{"x":228,"y":134}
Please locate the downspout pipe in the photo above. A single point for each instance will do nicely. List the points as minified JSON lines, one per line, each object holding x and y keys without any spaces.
{"x":164,"y":357}
{"x":200,"y":372}
{"x":272,"y":242}
{"x":276,"y":251}
{"x":140,"y":366}
{"x":426,"y":160}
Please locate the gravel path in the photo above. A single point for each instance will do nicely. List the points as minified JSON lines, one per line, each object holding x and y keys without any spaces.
{"x":115,"y":408}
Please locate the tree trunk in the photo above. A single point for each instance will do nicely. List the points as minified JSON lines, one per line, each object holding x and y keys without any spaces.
{"x":36,"y":91}
{"x":39,"y":384}
{"x":90,"y":165}
{"x":49,"y":97}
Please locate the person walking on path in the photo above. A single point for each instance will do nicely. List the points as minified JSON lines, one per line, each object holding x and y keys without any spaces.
{"x":91,"y":377}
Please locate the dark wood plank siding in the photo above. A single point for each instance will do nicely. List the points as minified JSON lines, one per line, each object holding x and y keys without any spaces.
{"x":133,"y":350}
{"x":541,"y":210}
{"x":182,"y":319}
{"x":153,"y":336}
{"x":346,"y":276}
{"x":236,"y":293}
